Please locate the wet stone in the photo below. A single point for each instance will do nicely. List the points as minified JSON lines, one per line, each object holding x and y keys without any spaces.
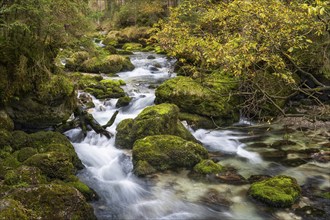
{"x":281,"y":143}
{"x":295,"y":162}
{"x":322,"y":157}
{"x":216,"y":200}
{"x":273,"y":155}
{"x":309,"y":212}
{"x":258,"y":145}
{"x":256,"y":178}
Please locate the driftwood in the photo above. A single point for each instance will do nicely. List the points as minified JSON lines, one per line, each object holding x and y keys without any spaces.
{"x":86,"y":122}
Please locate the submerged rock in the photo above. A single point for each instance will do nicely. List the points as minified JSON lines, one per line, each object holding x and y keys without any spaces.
{"x":208,"y":167}
{"x":165,"y":152}
{"x":153,"y":120}
{"x":216,"y":200}
{"x":278,"y":191}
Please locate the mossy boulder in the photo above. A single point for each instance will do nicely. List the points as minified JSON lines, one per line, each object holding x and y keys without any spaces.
{"x":76,"y":59}
{"x":53,"y":201}
{"x":55,"y":165}
{"x":32,"y":113}
{"x":153,"y":120}
{"x":208,"y":167}
{"x":123,"y":101}
{"x":108,"y":64}
{"x":197,"y":121}
{"x":165,"y":152}
{"x":7,"y":162}
{"x":11,"y":209}
{"x":23,"y":176}
{"x":5,"y":138}
{"x":20,"y":139}
{"x":107,"y":89}
{"x":191,"y":97}
{"x":132,"y":46}
{"x":5,"y":121}
{"x":278,"y":191}
{"x":88,"y":193}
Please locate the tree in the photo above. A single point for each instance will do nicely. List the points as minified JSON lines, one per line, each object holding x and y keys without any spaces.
{"x":31,"y":33}
{"x":250,"y":38}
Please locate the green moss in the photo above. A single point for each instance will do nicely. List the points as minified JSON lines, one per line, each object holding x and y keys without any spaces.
{"x":26,"y":153}
{"x":197,"y":121}
{"x":12,"y":210}
{"x":5,"y":138}
{"x":190,"y":96}
{"x":24,"y":175}
{"x":132,"y":46}
{"x":326,"y":195}
{"x":88,"y":193}
{"x":143,"y":168}
{"x":153,"y":120}
{"x":109,"y":64}
{"x":279,"y":191}
{"x":123,"y":101}
{"x":208,"y":167}
{"x":53,"y":164}
{"x":163,"y":152}
{"x":7,"y":162}
{"x":53,"y":201}
{"x":20,"y":139}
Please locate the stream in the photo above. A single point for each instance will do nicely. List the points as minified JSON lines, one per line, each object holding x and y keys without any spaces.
{"x":251,"y":150}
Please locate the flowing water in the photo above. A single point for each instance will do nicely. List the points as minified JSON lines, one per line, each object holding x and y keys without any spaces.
{"x":173,"y":195}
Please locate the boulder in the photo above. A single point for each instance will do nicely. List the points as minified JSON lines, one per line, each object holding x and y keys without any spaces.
{"x":24,"y":175}
{"x":153,"y":120}
{"x":31,"y":114}
{"x":123,"y":101}
{"x":52,"y":201}
{"x":278,"y":191}
{"x":11,"y":209}
{"x":55,"y":165}
{"x":165,"y":152}
{"x":208,"y":167}
{"x":191,"y":97}
{"x":132,"y":46}
{"x":109,"y":64}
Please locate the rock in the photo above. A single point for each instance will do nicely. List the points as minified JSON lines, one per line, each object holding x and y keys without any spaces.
{"x":106,"y":88}
{"x":24,"y":175}
{"x":7,"y":162}
{"x":258,"y":178}
{"x":88,"y":193}
{"x":294,"y":162}
{"x":5,"y":121}
{"x":132,"y":46}
{"x":273,"y":155}
{"x":192,"y":97}
{"x":282,"y":143}
{"x":5,"y":138}
{"x":229,"y":177}
{"x":123,"y":101}
{"x":197,"y":121}
{"x":151,"y":57}
{"x":76,"y":59}
{"x":53,"y":201}
{"x":165,"y":152}
{"x":86,"y":100}
{"x":216,"y":200}
{"x":53,"y":164}
{"x":20,"y":139}
{"x":278,"y":191}
{"x":110,"y":64}
{"x":25,"y":153}
{"x":153,"y":120}
{"x":31,"y":114}
{"x":208,"y":167}
{"x":309,"y":212}
{"x":11,"y":209}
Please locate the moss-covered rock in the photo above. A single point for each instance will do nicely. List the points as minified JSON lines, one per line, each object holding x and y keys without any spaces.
{"x":20,"y":139}
{"x":132,"y":46}
{"x":123,"y":101}
{"x":48,"y":141}
{"x":153,"y":120}
{"x":5,"y":138}
{"x":190,"y":96}
{"x":109,"y":64}
{"x":5,"y":121}
{"x":7,"y":162}
{"x":88,"y":193}
{"x":53,"y":201}
{"x":278,"y":191}
{"x":76,"y":59}
{"x":23,"y":176}
{"x":208,"y":167}
{"x":32,"y":113}
{"x":106,"y":89}
{"x":53,"y":164}
{"x":164,"y":152}
{"x":26,"y":153}
{"x":11,"y":210}
{"x":197,"y":121}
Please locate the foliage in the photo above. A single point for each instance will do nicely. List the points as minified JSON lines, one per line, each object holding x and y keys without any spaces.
{"x":31,"y":33}
{"x":249,"y":38}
